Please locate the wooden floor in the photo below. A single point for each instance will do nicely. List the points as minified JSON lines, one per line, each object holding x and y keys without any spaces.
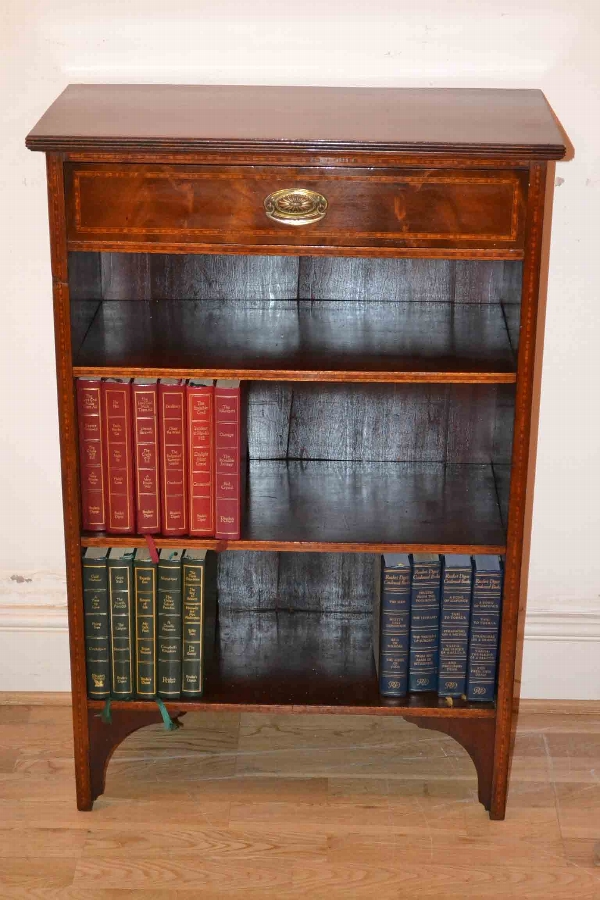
{"x":327,"y":807}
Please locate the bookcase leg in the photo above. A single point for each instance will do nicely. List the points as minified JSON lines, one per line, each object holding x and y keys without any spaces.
{"x":477,"y":738}
{"x":105,"y":738}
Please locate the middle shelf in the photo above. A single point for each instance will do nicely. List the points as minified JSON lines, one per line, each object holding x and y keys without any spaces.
{"x":295,"y":340}
{"x":362,"y":507}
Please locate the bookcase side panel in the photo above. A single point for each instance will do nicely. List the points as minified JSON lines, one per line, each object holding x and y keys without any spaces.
{"x":70,"y":476}
{"x":520,"y":492}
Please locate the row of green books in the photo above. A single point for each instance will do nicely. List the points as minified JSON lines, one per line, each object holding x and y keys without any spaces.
{"x":437,"y":624}
{"x":149,"y":625}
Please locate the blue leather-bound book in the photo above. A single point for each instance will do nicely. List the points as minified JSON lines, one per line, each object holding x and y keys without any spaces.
{"x":485,"y":627}
{"x":424,"y":622}
{"x":391,"y":624}
{"x":455,"y":615}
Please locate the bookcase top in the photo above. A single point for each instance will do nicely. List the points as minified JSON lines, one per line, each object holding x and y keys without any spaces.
{"x":166,"y":117}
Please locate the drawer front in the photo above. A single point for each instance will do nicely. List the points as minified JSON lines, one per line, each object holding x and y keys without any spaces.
{"x":297,"y":207}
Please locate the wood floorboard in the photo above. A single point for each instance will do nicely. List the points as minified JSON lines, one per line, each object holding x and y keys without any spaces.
{"x":276,"y":806}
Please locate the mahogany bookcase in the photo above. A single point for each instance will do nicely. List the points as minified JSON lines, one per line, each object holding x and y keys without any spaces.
{"x":370,"y":261}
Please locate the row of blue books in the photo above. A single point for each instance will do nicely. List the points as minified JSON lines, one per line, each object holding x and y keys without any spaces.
{"x":437,"y":624}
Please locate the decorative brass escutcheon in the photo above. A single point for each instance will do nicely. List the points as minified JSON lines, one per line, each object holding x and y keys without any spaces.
{"x":295,"y":206}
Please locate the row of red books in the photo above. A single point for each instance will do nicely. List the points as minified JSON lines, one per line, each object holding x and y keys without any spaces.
{"x":161,"y":456}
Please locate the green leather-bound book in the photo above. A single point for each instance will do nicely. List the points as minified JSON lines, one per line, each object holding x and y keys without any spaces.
{"x":199,"y":619}
{"x":95,"y":608}
{"x":144,"y":580}
{"x":120,"y":594}
{"x":169,"y":624}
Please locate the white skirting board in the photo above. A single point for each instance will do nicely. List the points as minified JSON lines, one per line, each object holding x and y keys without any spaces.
{"x":34,"y":638}
{"x":561,"y":656}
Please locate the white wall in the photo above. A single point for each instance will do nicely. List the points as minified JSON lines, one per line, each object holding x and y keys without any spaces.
{"x":551,"y":44}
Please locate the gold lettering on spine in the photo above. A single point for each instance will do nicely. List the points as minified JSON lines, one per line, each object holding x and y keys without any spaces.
{"x":143,"y":405}
{"x":140,"y":682}
{"x":90,"y":452}
{"x":116,"y":680}
{"x":110,"y":390}
{"x":189,"y":573}
{"x":231,"y":410}
{"x":168,"y":405}
{"x":199,"y":477}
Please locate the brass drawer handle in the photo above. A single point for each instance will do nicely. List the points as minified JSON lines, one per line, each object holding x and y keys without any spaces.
{"x":295,"y":206}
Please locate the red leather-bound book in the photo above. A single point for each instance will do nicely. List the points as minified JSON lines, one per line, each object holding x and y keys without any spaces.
{"x":201,"y":456}
{"x":230,"y":464}
{"x":118,"y":453}
{"x":173,"y":474}
{"x":145,"y":445}
{"x":91,"y":459}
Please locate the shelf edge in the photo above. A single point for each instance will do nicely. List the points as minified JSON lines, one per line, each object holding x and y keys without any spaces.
{"x":413,"y":712}
{"x":136,"y":540}
{"x":113,"y":246}
{"x":295,"y":375}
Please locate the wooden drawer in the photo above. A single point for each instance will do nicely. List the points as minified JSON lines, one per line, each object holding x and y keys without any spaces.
{"x":313,"y":207}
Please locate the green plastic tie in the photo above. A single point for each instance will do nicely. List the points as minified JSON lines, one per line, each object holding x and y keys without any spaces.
{"x":170,"y":724}
{"x":106,"y":714}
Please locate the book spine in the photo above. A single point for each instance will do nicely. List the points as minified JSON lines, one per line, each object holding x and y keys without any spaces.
{"x":91,"y":456}
{"x":116,"y":406}
{"x":454,"y":632}
{"x":484,"y":635}
{"x":173,"y":469}
{"x":144,"y":575}
{"x":97,"y":649}
{"x":169,"y":629}
{"x":201,"y":459}
{"x":193,"y":596}
{"x":424,"y":628}
{"x":145,"y":436}
{"x":394,"y":632}
{"x":121,"y":628}
{"x":228,"y":463}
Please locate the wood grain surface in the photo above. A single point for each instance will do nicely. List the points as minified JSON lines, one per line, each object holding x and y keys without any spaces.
{"x":213,"y":205}
{"x":256,"y":806}
{"x":505,"y":123}
{"x":296,"y":661}
{"x":446,"y":190}
{"x":360,"y":507}
{"x":222,"y":276}
{"x":330,"y":342}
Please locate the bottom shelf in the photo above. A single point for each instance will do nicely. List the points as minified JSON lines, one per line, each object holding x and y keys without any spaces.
{"x":303,"y":662}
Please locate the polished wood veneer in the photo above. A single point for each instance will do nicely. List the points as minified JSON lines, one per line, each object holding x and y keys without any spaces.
{"x":469,"y":122}
{"x":364,"y":507}
{"x":389,"y":343}
{"x":296,"y":340}
{"x":317,"y":662}
{"x":406,"y":208}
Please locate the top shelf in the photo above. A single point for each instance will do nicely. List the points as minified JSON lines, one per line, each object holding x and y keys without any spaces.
{"x":293,"y":341}
{"x":176,"y":118}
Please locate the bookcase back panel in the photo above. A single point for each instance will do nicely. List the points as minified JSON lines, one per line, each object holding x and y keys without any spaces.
{"x":437,"y":423}
{"x":205,"y":277}
{"x":148,"y":276}
{"x":307,"y":582}
{"x":406,"y":280}
{"x":463,"y":423}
